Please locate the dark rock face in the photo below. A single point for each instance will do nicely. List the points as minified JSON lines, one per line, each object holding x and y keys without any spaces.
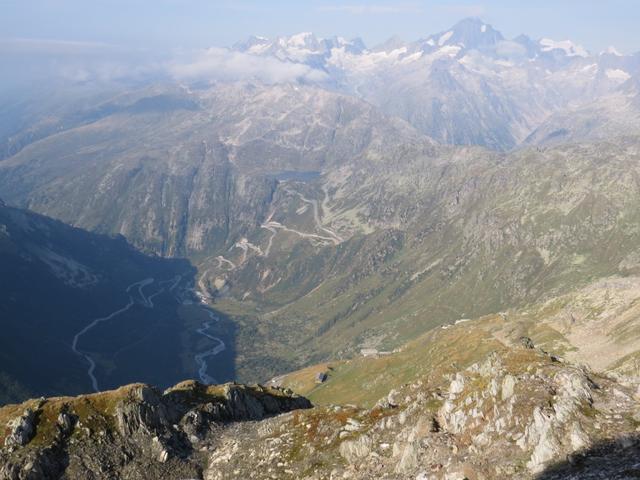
{"x":135,"y":432}
{"x":526,"y":342}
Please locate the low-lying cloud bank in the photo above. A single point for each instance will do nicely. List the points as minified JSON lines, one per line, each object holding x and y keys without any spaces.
{"x":29,"y":61}
{"x":34,"y":60}
{"x":224,"y":64}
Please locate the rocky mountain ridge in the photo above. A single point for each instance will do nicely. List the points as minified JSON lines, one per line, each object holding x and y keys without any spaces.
{"x":136,"y":431}
{"x":467,"y":85}
{"x":489,"y":410}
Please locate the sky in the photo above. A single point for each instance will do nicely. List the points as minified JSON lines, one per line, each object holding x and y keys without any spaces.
{"x":186,"y":24}
{"x":86,"y":41}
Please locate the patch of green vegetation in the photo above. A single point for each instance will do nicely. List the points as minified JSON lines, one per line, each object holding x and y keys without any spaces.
{"x":365,"y":380}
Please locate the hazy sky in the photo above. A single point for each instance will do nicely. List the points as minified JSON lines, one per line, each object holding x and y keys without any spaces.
{"x":171,"y":24}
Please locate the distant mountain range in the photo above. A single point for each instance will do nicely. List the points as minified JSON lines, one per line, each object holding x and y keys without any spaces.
{"x":467,"y":85}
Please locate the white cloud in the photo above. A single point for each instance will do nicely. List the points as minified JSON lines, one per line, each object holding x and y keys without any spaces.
{"x":34,"y":59}
{"x":90,"y":61}
{"x":224,"y":64}
{"x":371,"y":9}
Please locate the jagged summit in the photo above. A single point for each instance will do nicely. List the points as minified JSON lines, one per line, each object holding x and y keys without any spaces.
{"x":565,"y":47}
{"x":251,"y":42}
{"x":299,"y":47}
{"x":472,"y":33}
{"x":389,"y":45}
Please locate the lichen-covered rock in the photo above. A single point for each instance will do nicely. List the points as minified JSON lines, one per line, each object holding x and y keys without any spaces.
{"x":514,"y":414}
{"x":354,"y":450}
{"x":21,"y":429}
{"x":141,"y":412}
{"x":135,"y":432}
{"x":508,"y":385}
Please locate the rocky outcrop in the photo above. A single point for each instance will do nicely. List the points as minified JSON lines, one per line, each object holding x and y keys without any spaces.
{"x":513,"y":413}
{"x":21,"y":429}
{"x":135,"y":432}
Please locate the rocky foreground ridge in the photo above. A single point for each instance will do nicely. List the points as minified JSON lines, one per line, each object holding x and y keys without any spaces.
{"x":135,"y":432}
{"x":493,"y":411}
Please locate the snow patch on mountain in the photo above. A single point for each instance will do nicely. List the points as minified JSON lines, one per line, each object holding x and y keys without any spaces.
{"x":439,"y":81}
{"x":300,"y":39}
{"x":570,"y":49}
{"x":449,"y":50}
{"x":443,"y":38}
{"x":612,"y":51}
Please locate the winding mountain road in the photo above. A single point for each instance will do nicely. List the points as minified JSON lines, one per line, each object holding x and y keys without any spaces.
{"x":277,"y":225}
{"x":222,"y":260}
{"x":316,"y":216}
{"x":274,"y":232}
{"x":274,"y":226}
{"x":141,"y":284}
{"x":245,"y":245}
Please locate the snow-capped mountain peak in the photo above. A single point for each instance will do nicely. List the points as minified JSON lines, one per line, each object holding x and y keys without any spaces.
{"x":302,"y":39}
{"x":304,"y":47}
{"x":469,"y":67}
{"x":569,"y":48}
{"x":254,"y":44}
{"x":393,"y":43}
{"x":471,"y":33}
{"x":611,"y":50}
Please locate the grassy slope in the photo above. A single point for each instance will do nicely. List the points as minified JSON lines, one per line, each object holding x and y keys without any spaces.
{"x":582,"y":326}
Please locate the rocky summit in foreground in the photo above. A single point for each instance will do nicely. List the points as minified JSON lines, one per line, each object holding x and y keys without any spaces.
{"x":476,"y":408}
{"x":134,"y":432}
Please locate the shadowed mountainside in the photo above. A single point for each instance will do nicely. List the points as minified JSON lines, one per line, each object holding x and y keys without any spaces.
{"x":82,"y":311}
{"x":615,"y":459}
